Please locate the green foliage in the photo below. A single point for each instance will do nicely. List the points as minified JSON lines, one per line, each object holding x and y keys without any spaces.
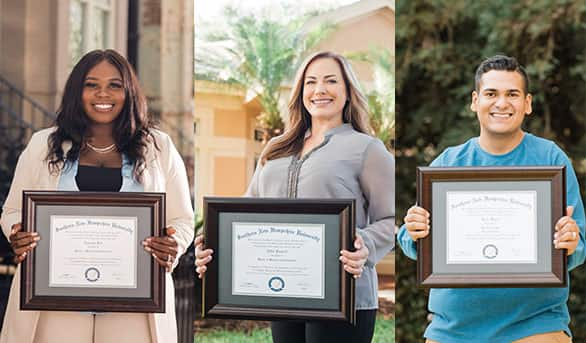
{"x":381,"y":100}
{"x":439,"y":44}
{"x":224,"y":336}
{"x":259,"y":53}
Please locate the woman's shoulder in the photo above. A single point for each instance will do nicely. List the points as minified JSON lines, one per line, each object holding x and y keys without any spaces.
{"x":159,"y":135}
{"x":39,"y":140}
{"x":363,"y":141}
{"x":160,"y":139}
{"x":43,"y":134}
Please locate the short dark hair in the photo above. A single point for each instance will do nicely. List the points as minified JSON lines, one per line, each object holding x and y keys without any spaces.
{"x":501,"y":62}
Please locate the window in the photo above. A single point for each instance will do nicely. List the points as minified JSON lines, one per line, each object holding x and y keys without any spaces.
{"x":258,"y":135}
{"x":90,"y":27}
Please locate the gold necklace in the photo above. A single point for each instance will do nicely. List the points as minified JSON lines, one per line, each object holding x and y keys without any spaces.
{"x":103,"y":150}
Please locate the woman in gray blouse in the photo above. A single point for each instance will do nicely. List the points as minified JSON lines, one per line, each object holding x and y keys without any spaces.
{"x":327,"y":152}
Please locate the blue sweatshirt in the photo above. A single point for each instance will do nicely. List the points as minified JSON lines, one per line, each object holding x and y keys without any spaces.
{"x":489,"y":315}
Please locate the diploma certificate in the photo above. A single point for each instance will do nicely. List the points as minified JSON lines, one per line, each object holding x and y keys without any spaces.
{"x":93,"y":251}
{"x":491,"y":227}
{"x":276,"y":259}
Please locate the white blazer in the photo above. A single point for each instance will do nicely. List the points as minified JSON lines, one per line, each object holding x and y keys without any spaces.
{"x":165,"y":172}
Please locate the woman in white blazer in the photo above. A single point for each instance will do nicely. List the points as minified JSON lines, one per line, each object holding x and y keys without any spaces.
{"x":103,"y":140}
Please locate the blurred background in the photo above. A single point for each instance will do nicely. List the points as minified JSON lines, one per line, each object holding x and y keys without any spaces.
{"x":246,"y":54}
{"x":41,"y":40}
{"x":439,"y":44}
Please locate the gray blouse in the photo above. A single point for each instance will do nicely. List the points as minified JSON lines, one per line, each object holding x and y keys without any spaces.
{"x":348,"y":164}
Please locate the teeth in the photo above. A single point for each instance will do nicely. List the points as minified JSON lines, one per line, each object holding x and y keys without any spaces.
{"x":321,"y":101}
{"x":501,"y":115}
{"x":103,"y":106}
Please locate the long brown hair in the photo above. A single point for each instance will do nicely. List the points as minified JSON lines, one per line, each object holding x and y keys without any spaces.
{"x":355,"y":110}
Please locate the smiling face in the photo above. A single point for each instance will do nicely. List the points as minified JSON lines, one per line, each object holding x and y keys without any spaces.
{"x":103,"y":94}
{"x":501,"y":104}
{"x":324,"y":90}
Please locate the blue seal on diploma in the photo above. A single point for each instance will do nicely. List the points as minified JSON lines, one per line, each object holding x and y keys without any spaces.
{"x":276,"y":284}
{"x":490,"y":251}
{"x":92,"y":274}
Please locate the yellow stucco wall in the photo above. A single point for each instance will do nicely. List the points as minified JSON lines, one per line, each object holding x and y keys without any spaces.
{"x":230,"y":123}
{"x":225,"y":149}
{"x":230,"y":176}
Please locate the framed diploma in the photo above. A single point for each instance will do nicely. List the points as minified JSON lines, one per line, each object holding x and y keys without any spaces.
{"x":278,"y":258}
{"x":90,"y":256}
{"x":491,"y":227}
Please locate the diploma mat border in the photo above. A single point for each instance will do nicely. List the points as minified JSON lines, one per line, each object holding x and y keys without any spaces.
{"x":556,"y":276}
{"x":343,"y":208}
{"x":153,"y":202}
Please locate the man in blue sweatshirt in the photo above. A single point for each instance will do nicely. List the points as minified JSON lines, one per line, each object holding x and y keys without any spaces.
{"x":481,"y":315}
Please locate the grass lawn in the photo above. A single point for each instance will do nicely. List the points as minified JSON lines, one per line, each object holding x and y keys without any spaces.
{"x":384,"y":332}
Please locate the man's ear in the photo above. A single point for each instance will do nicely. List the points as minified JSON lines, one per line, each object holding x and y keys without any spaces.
{"x":528,"y":105}
{"x":474,"y":103}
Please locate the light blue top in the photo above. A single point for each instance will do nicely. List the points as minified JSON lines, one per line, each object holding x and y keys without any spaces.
{"x":129,"y":184}
{"x":484,"y":315}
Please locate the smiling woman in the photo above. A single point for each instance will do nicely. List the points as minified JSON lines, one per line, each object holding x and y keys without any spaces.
{"x":327,"y":152}
{"x":103,"y":140}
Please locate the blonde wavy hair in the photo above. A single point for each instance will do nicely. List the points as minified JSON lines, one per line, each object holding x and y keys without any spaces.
{"x":355,"y":110}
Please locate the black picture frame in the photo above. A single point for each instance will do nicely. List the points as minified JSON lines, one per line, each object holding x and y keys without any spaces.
{"x":339,"y":218}
{"x":36,"y":292}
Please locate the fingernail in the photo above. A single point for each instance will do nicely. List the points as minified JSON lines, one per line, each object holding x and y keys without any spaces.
{"x":148,"y":239}
{"x":341,"y":258}
{"x":37,"y":238}
{"x":148,"y":249}
{"x":32,"y":245}
{"x":555,"y":235}
{"x":555,"y":242}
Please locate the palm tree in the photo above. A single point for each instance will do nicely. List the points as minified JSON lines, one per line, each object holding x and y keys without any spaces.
{"x":258,"y":53}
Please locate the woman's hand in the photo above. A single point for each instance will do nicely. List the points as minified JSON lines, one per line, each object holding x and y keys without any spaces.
{"x":417,"y":222}
{"x":567,"y":235}
{"x":22,"y":242}
{"x":354,"y":261}
{"x":202,"y":257}
{"x":163,"y":249}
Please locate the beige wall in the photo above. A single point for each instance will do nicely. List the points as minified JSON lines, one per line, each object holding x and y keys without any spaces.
{"x":374,"y":29}
{"x":225,"y":149}
{"x":231,"y":178}
{"x":230,"y":123}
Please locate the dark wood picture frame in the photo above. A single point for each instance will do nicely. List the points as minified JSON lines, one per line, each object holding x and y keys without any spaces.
{"x":342,"y":208}
{"x":84,"y":203}
{"x":427,"y":176}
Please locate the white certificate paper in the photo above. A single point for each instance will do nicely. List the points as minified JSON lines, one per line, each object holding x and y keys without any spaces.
{"x":491,"y":227}
{"x":93,"y":251}
{"x":276,"y":259}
